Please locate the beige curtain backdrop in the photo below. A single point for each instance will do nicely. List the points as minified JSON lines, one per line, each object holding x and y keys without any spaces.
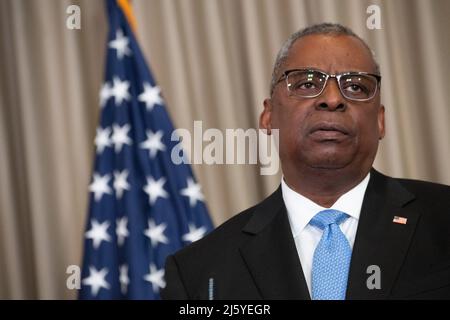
{"x":213,"y":60}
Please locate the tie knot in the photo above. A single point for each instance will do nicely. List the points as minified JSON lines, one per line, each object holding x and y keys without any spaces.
{"x":327,"y":217}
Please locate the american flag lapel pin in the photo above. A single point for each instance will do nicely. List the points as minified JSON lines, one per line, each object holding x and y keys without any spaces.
{"x":400,"y":220}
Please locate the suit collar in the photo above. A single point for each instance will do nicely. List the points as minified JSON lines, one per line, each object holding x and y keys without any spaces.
{"x":270,"y":252}
{"x":379,"y":241}
{"x":265,"y":212}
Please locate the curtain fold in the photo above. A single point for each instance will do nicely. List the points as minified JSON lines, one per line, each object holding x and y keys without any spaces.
{"x":213,"y":60}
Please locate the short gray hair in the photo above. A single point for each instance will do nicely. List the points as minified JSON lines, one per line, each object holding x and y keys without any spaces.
{"x":317,"y":29}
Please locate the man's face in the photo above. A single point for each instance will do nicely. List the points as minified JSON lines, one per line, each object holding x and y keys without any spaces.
{"x":328,"y":131}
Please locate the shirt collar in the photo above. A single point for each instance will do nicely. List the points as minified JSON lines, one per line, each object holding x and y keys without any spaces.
{"x":301,"y":209}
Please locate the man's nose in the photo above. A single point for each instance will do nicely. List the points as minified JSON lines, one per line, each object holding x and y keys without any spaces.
{"x":331,"y":98}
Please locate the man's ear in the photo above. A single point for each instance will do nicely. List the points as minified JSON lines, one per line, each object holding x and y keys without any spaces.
{"x":381,"y":124}
{"x":265,"y":119}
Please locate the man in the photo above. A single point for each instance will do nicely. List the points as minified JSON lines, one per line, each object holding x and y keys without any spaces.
{"x":335,"y":228}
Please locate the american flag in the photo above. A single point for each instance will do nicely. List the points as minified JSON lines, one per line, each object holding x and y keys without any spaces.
{"x":400,"y":220}
{"x":142,"y":207}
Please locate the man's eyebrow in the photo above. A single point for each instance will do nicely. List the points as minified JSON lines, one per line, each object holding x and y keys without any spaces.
{"x":324,"y":71}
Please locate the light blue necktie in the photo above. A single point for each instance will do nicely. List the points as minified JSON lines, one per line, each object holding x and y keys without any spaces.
{"x":332,"y":256}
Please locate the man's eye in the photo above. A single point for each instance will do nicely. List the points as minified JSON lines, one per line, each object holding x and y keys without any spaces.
{"x":305,"y":85}
{"x":354,"y":88}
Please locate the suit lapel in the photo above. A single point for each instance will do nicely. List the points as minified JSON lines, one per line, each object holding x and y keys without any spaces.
{"x":270,"y":253}
{"x":379,"y":241}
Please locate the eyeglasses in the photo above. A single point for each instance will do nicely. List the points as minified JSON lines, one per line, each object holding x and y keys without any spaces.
{"x":309,"y":83}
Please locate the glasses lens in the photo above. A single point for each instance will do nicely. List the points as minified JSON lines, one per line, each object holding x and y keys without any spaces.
{"x":358,"y":87}
{"x":305,"y":83}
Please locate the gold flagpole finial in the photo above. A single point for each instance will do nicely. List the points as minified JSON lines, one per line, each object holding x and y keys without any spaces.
{"x":127,"y":9}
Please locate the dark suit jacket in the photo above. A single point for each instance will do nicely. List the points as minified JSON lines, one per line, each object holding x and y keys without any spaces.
{"x":253,"y":255}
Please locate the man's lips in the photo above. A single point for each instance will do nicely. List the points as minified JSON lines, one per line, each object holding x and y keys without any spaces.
{"x":329,"y":126}
{"x":328,"y":131}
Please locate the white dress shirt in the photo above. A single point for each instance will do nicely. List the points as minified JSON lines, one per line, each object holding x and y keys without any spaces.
{"x":301,"y":210}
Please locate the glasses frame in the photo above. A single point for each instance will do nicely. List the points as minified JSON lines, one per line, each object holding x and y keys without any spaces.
{"x":337,"y":76}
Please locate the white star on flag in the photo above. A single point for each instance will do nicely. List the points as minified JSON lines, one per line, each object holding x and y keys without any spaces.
{"x":194,"y":233}
{"x":123,"y":279}
{"x":121,"y":230}
{"x":153,"y":142}
{"x":96,"y":280}
{"x":155,"y":190}
{"x":98,"y":233}
{"x":102,"y":139}
{"x":155,"y":277}
{"x":151,"y":96}
{"x":193,"y":191}
{"x":105,"y":93}
{"x":156,"y":233}
{"x":120,"y":182}
{"x":120,"y":136}
{"x":120,"y":91}
{"x":100,"y":186}
{"x":120,"y":43}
